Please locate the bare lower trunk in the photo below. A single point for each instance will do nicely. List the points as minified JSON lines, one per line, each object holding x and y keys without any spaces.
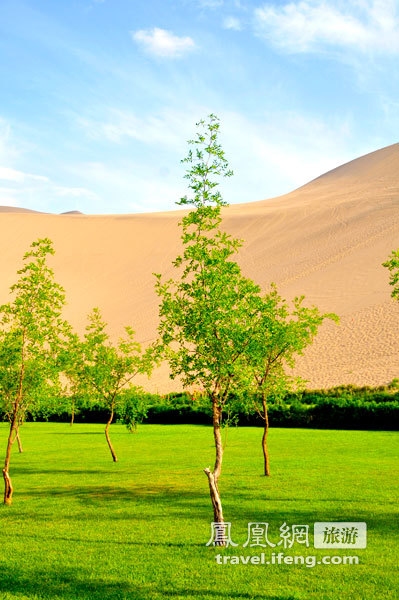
{"x":73,"y":412}
{"x":114,"y":457}
{"x":264,"y":438}
{"x":213,"y":476}
{"x":8,"y":489}
{"x":215,"y":497}
{"x":19,"y":441}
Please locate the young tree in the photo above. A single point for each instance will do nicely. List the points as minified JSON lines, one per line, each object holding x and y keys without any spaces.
{"x":278,"y":336}
{"x":32,"y":333}
{"x":392,"y":264}
{"x":205,"y":314}
{"x":134,"y":408}
{"x":104,"y":372}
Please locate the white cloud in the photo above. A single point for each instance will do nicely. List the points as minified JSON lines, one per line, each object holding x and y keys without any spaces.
{"x":163,"y":43}
{"x":370,"y":26}
{"x":6,"y":173}
{"x":232,"y":23}
{"x":137,"y":188}
{"x":37,"y":191}
{"x":169,"y":128}
{"x":74,"y":192}
{"x":11,"y":174}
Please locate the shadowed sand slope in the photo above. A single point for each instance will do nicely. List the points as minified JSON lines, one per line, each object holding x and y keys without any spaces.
{"x":325,"y":240}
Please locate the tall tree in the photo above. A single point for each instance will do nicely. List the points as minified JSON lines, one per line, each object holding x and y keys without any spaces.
{"x":31,"y":335}
{"x":103,"y":371}
{"x":205,"y":313}
{"x":279,"y":335}
{"x":392,"y":264}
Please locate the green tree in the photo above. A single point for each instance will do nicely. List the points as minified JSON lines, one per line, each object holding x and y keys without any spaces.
{"x":134,"y":408}
{"x":205,"y":313}
{"x":279,"y":335}
{"x":392,"y":264}
{"x":31,"y":336}
{"x":104,"y":372}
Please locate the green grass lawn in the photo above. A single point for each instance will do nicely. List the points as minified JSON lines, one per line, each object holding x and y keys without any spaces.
{"x":83,"y":527}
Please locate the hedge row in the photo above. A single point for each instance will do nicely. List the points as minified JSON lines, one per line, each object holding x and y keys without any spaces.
{"x":344,"y":407}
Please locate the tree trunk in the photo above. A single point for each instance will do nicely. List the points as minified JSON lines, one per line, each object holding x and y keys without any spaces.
{"x":8,"y":489}
{"x":213,"y":476}
{"x":114,"y":457}
{"x":215,"y":497}
{"x":19,"y":441}
{"x":264,"y":438}
{"x":73,"y":412}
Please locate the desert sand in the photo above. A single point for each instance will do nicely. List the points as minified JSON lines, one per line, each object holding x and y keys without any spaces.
{"x":325,"y":240}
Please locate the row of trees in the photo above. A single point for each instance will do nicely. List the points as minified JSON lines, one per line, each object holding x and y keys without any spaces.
{"x":217,"y":330}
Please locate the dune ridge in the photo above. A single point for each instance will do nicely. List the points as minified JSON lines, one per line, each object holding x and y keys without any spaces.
{"x":325,"y":240}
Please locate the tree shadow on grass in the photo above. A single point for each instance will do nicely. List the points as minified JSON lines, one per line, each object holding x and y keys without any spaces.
{"x":110,"y":542}
{"x":104,"y":498}
{"x":82,"y":432}
{"x":18,"y":470}
{"x":183,"y":503}
{"x":67,"y":584}
{"x":217,"y":595}
{"x":220,"y":595}
{"x":107,"y":492}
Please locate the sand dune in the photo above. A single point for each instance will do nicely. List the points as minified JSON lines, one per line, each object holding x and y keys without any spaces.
{"x":16,"y":209}
{"x":326,"y":240}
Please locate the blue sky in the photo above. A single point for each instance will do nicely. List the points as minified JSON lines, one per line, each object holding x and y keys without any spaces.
{"x":99,"y":97}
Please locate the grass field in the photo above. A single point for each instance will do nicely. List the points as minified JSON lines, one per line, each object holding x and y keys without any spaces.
{"x":82,"y":527}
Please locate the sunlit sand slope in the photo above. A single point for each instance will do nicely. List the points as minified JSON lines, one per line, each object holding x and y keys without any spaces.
{"x":326,"y":240}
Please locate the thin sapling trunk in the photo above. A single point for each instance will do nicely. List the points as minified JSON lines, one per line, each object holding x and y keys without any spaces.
{"x":17,"y":436}
{"x":264,"y":438}
{"x":73,"y":412}
{"x":114,"y":457}
{"x":8,"y":488}
{"x":19,"y":441}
